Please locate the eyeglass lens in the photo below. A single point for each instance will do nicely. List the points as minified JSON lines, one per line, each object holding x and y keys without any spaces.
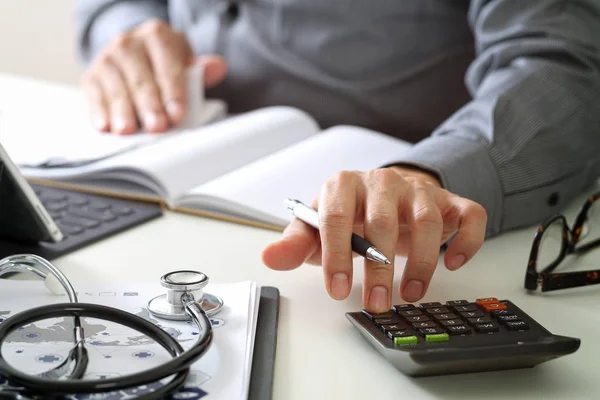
{"x":591,"y":227}
{"x":550,"y":245}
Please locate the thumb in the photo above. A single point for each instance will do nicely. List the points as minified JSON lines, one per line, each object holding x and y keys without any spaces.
{"x":215,"y":69}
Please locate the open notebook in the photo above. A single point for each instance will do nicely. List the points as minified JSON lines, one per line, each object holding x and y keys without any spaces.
{"x":239,"y":169}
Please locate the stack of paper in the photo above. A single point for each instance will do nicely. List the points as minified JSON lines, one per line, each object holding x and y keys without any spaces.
{"x":115,"y":350}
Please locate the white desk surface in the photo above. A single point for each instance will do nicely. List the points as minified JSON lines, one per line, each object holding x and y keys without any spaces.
{"x":319,"y":354}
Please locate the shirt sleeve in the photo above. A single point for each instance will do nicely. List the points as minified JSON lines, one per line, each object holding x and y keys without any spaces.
{"x":529,"y":141}
{"x":99,"y":21}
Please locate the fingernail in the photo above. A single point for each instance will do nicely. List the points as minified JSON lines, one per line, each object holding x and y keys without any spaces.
{"x":413,"y":290}
{"x":175,"y":110}
{"x":119,"y":124}
{"x":456,"y":262}
{"x":150,"y":120}
{"x":378,"y":301}
{"x":99,"y":123}
{"x":339,"y":285}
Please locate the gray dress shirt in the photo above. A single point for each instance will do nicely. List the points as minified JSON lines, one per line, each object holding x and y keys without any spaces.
{"x":501,"y":97}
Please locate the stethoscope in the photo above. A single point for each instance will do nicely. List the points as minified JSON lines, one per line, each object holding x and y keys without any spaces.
{"x":184,"y":300}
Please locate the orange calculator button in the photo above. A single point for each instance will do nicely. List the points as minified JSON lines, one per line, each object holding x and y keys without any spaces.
{"x":487,"y":300}
{"x":493,"y":306}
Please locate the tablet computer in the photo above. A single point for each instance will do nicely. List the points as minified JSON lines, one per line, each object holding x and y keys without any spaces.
{"x":23,"y":217}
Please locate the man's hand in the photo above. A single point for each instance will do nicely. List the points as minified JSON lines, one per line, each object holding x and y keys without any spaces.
{"x":141,"y":76}
{"x":401,"y":211}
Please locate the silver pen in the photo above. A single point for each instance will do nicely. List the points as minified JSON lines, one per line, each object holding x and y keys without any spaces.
{"x":359,"y":244}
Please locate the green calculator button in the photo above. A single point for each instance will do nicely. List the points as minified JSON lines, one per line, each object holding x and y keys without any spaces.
{"x":438,"y":337}
{"x":402,"y":341}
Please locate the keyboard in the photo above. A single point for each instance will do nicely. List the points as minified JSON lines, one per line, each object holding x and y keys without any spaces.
{"x":83,"y":219}
{"x":460,"y":336}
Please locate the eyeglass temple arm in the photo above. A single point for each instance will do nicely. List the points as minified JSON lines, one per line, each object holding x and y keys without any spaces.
{"x":569,"y":280}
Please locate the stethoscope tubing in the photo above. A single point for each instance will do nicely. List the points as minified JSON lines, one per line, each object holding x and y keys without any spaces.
{"x":179,"y":365}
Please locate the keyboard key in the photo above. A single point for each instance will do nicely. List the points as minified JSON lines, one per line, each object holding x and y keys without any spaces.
{"x":494,"y":306}
{"x":424,"y":324}
{"x":405,"y":340}
{"x":398,"y":334}
{"x":472,"y":314}
{"x":393,"y":327}
{"x":437,"y":310}
{"x":47,"y":196}
{"x":83,"y":222}
{"x":487,"y":300}
{"x":56,"y":206}
{"x":385,"y":321}
{"x":430,"y":305}
{"x":468,"y":307}
{"x":451,"y":322}
{"x":479,"y":320}
{"x":69,"y":230}
{"x":457,"y":303}
{"x":431,"y":331}
{"x":418,"y":318}
{"x":77,"y":201}
{"x":485,"y":328}
{"x":123,"y":211}
{"x":458,"y":330}
{"x":403,"y":307}
{"x":507,"y":318}
{"x":99,"y":206}
{"x":373,"y":316}
{"x":437,"y":337}
{"x":516,"y":326}
{"x":441,"y":317}
{"x":497,"y":313}
{"x":410,"y":313}
{"x":105,"y":216}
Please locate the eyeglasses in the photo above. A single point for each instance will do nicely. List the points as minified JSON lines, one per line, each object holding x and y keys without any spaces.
{"x":554,"y":241}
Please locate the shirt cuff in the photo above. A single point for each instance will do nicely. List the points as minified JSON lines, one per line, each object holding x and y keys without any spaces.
{"x":465,"y":168}
{"x":114,"y":19}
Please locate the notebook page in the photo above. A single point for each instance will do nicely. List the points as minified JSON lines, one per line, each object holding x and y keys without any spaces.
{"x":177,"y":163}
{"x":257,"y":191}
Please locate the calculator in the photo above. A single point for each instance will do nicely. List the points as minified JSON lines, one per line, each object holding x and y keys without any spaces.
{"x":460,"y":336}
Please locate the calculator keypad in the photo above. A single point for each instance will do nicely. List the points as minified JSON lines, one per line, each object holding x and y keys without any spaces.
{"x":435,"y":322}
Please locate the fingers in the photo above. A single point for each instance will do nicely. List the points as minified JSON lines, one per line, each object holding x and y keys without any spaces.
{"x":170,"y":55}
{"x":95,"y":98}
{"x":426,"y":224}
{"x":471,"y":233}
{"x":132,"y":59}
{"x":298,"y":243}
{"x":381,"y":229}
{"x":338,"y":203}
{"x":119,"y":105}
{"x":215,"y":69}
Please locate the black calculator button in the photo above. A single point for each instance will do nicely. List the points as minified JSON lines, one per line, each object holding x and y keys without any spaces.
{"x":468,"y":307}
{"x":386,"y":321}
{"x":497,"y":313}
{"x":488,"y":327}
{"x":437,"y":310}
{"x":458,"y":330}
{"x":471,"y":314}
{"x":507,"y":318}
{"x":418,"y":318}
{"x":410,"y":313}
{"x":431,"y":331}
{"x":457,"y":303}
{"x":403,"y":307}
{"x":479,"y":320}
{"x":393,"y":327}
{"x":430,"y":305}
{"x":373,"y":316}
{"x":452,"y":322}
{"x":395,"y":334}
{"x":424,"y":324}
{"x":516,"y":326}
{"x":441,"y":317}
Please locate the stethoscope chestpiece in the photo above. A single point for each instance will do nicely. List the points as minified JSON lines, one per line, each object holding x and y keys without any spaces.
{"x":170,"y":305}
